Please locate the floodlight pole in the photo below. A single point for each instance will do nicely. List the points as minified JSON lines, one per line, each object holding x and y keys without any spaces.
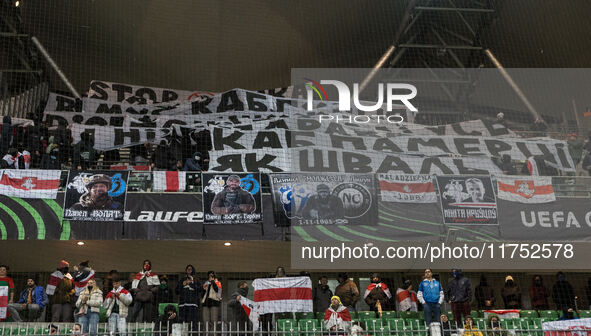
{"x":55,"y":67}
{"x":513,"y":85}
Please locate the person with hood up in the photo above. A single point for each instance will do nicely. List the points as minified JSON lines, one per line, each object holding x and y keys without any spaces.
{"x":189,"y":291}
{"x":144,"y":286}
{"x":337,"y":319}
{"x":563,"y":293}
{"x":430,"y":295}
{"x":406,"y":298}
{"x":484,"y":294}
{"x":568,"y":314}
{"x":511,"y":294}
{"x":377,"y":295}
{"x":193,"y":164}
{"x":84,"y":155}
{"x":51,"y":158}
{"x":539,"y":294}
{"x":459,"y":295}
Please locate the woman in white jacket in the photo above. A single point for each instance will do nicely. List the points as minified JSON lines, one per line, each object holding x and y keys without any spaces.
{"x":89,"y":305}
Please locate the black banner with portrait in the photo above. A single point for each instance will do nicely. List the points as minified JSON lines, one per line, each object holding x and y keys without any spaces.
{"x":317,"y":199}
{"x":232,"y":198}
{"x":95,"y":196}
{"x":467,"y":200}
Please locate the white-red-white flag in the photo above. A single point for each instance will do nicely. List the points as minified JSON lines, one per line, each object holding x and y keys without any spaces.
{"x":3,"y":301}
{"x":407,"y":188}
{"x":530,"y":189}
{"x":251,"y":309}
{"x":169,"y":180}
{"x":280,"y":295}
{"x":30,"y":183}
{"x":502,"y":313}
{"x":576,"y":327}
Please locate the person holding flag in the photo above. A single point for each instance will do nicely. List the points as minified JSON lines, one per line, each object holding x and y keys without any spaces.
{"x":249,"y":307}
{"x":144,"y":286}
{"x":82,"y":273}
{"x":337,"y":319}
{"x":6,"y":292}
{"x":60,"y":289}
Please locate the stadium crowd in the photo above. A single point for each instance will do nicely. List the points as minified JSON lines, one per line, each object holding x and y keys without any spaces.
{"x":41,"y":146}
{"x":78,"y":296}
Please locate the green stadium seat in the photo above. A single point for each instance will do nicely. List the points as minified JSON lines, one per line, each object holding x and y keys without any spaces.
{"x":161,"y":307}
{"x":287,"y":326}
{"x":388,"y":314}
{"x":528,"y":313}
{"x":408,"y":314}
{"x":585,"y":313}
{"x":308,"y":325}
{"x":304,"y":316}
{"x":320,"y":316}
{"x":481,"y":323}
{"x":475,"y":313}
{"x":383,"y":330}
{"x":374,"y":323}
{"x":366,"y":314}
{"x":395,"y":324}
{"x":549,"y":314}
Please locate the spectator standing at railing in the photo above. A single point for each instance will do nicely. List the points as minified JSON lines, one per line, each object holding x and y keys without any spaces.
{"x":89,"y":305}
{"x":33,"y":145}
{"x":60,"y":289}
{"x":377,"y":295}
{"x":162,"y":158}
{"x":241,"y":319}
{"x":459,"y":295}
{"x":430,"y":295}
{"x":484,"y":294}
{"x":84,"y":155}
{"x":322,"y":295}
{"x":189,"y":291}
{"x":6,"y":281}
{"x":511,"y":294}
{"x":193,"y":163}
{"x":575,"y":148}
{"x":212,"y":300}
{"x":347,"y":291}
{"x":539,"y":294}
{"x":563,"y":293}
{"x":139,"y":154}
{"x":507,"y":165}
{"x":163,"y":295}
{"x":144,"y":286}
{"x":117,"y":304}
{"x":6,"y":139}
{"x":51,"y":157}
{"x":406,"y":298}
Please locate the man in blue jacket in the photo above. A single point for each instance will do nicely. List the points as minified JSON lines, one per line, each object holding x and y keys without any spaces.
{"x":430,"y":295}
{"x":32,"y":300}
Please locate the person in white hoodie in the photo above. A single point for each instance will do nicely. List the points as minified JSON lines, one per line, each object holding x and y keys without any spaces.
{"x":89,"y":306}
{"x":117,"y":303}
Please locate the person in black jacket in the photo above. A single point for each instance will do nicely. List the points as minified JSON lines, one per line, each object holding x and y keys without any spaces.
{"x":484,"y":294}
{"x":563,"y":293}
{"x":446,"y":326}
{"x":241,"y":319}
{"x":189,"y":291}
{"x":459,"y":295}
{"x":322,"y":295}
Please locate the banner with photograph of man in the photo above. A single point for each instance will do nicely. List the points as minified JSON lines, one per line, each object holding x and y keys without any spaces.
{"x":467,"y":200}
{"x":317,"y":199}
{"x":232,"y":198}
{"x":95,"y":196}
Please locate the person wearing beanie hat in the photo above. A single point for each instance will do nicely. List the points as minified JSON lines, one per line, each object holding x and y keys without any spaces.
{"x":60,"y":290}
{"x":82,"y":274}
{"x":337,"y":318}
{"x":511,"y":294}
{"x":377,"y":295}
{"x":459,"y":295}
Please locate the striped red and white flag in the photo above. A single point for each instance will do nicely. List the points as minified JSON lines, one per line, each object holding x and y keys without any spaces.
{"x":407,"y":188}
{"x":251,"y":309}
{"x":54,"y":280}
{"x":30,"y":183}
{"x":533,"y":189}
{"x":280,"y":295}
{"x":80,"y":284}
{"x":502,"y":313}
{"x":3,"y":301}
{"x":169,"y":180}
